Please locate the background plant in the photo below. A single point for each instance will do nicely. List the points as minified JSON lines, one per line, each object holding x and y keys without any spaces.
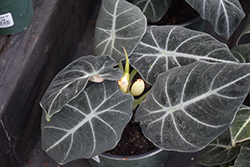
{"x":224,"y":15}
{"x":232,"y":147}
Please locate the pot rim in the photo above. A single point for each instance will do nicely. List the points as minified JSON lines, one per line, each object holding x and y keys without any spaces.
{"x":132,"y":157}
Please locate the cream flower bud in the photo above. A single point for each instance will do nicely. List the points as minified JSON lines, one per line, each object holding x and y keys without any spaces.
{"x":124,"y":83}
{"x":138,"y":87}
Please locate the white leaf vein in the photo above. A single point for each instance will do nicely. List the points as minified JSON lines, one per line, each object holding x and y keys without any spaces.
{"x":127,"y":25}
{"x":177,"y":130}
{"x":108,"y":126}
{"x":70,"y":147}
{"x":190,"y":38}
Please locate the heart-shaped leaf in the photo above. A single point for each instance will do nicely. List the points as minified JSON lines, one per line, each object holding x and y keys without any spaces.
{"x":71,"y":81}
{"x":243,"y":158}
{"x":165,"y":47}
{"x":89,"y":125}
{"x":224,"y":15}
{"x":240,"y":129}
{"x":193,"y":104}
{"x":220,"y":151}
{"x":154,"y":10}
{"x":119,"y":23}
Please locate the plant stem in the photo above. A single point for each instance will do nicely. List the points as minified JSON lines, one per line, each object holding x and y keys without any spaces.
{"x":138,"y":101}
{"x":132,"y":74}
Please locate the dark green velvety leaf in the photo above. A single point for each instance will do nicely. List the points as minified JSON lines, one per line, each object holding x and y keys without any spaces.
{"x":242,"y":52}
{"x":243,"y":159}
{"x":165,"y":47}
{"x":154,"y":10}
{"x":71,"y":81}
{"x":189,"y":106}
{"x":90,"y":124}
{"x":119,"y":23}
{"x":224,"y":15}
{"x":240,"y":129}
{"x":219,"y":152}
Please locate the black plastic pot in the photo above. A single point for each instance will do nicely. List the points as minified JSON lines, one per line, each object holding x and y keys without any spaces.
{"x":154,"y":158}
{"x":15,"y":16}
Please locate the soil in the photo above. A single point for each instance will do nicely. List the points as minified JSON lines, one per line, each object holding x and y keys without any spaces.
{"x":132,"y":141}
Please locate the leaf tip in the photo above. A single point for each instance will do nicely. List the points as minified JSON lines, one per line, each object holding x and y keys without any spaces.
{"x":96,"y":78}
{"x":127,"y":61}
{"x":47,"y":118}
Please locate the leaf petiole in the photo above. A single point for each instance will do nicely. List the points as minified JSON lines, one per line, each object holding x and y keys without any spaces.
{"x":138,"y":101}
{"x":132,"y":74}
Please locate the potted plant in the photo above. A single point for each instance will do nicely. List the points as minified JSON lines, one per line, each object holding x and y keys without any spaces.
{"x":15,"y":16}
{"x":197,"y":87}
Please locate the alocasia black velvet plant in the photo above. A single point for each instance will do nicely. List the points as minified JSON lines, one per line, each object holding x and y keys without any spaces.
{"x":197,"y":87}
